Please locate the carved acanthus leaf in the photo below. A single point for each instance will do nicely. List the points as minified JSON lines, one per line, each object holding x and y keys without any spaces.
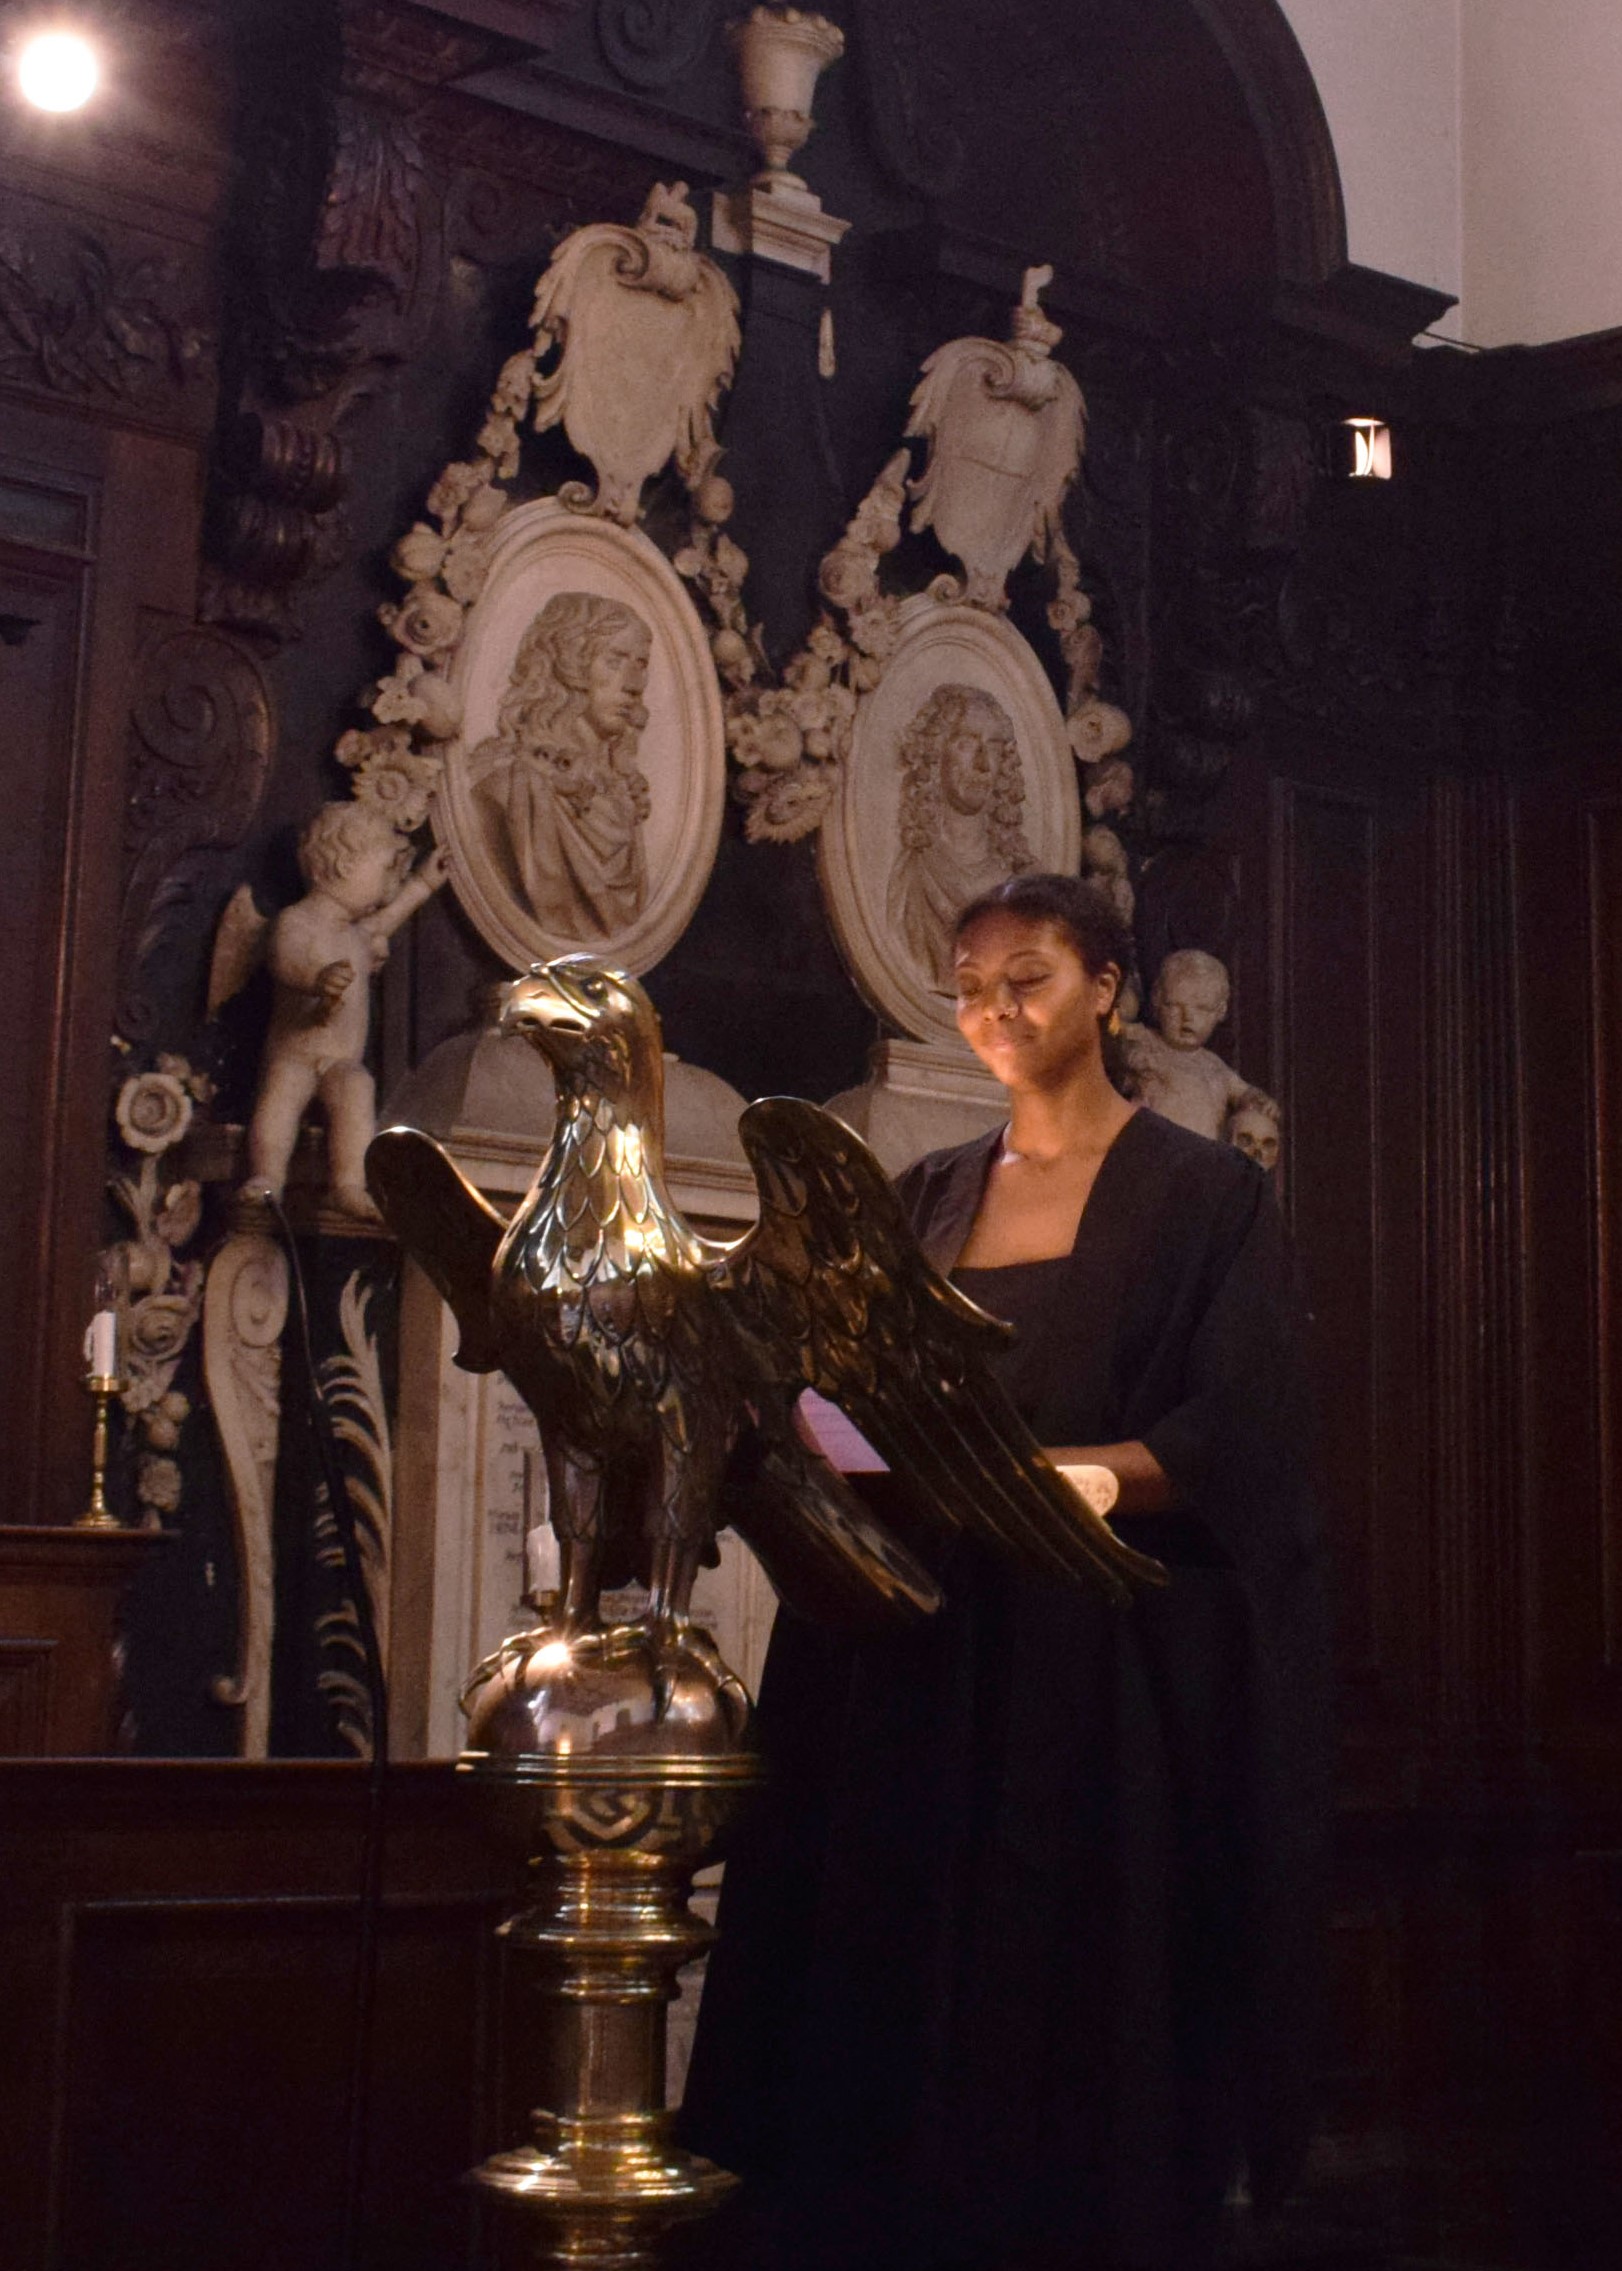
{"x":646,"y":330}
{"x":998,"y":501}
{"x":244,"y":1310}
{"x":78,"y":318}
{"x":201,"y":738}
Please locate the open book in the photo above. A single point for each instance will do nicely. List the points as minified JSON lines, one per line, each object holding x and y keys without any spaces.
{"x":824,"y":1426}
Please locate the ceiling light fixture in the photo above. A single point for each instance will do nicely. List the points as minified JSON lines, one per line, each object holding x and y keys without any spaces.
{"x":1371,"y":449}
{"x":57,"y":70}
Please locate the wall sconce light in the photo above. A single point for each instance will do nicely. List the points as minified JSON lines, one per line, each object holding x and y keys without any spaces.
{"x":1370,"y":451}
{"x":57,"y":70}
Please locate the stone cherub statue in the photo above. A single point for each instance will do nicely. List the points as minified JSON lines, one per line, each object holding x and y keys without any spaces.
{"x":323,"y":952}
{"x":1177,"y":1075}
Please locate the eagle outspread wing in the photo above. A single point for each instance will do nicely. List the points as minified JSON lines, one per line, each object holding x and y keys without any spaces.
{"x":446,"y":1225}
{"x":832,"y":1287}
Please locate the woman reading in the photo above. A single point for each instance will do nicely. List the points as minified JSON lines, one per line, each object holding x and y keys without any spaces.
{"x":1015,"y":1956}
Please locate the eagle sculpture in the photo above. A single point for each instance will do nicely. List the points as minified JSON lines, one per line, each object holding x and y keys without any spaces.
{"x":664,"y":1369}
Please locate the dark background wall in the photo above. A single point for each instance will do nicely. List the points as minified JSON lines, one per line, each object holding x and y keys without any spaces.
{"x":249,"y":311}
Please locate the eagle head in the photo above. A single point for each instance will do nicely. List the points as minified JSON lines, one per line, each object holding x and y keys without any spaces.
{"x":594,"y":1025}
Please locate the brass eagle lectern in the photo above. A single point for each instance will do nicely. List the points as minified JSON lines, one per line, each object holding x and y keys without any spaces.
{"x":664,"y":1371}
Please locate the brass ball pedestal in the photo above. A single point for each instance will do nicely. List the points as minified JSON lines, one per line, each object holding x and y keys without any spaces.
{"x":613,"y":1761}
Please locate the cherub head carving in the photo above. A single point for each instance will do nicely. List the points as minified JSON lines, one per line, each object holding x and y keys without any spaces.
{"x":1190,"y":997}
{"x":354,"y":853}
{"x":1252,"y":1127}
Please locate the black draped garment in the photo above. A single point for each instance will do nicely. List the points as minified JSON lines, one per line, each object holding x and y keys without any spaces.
{"x":1016,"y":1954}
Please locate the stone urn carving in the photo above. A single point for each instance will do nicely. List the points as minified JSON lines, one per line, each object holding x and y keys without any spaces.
{"x":780,"y":54}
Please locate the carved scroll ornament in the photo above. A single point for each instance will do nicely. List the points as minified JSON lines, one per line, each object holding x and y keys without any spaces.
{"x":244,"y":1310}
{"x":1003,"y":426}
{"x":635,"y":336}
{"x":646,"y":328}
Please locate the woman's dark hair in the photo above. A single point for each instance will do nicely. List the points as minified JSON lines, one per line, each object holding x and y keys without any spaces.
{"x":1078,"y":907}
{"x":1089,"y":921}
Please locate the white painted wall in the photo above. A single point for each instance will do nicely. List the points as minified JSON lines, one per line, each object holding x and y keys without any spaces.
{"x":1542,"y":91}
{"x":1387,"y":73}
{"x":1480,"y":150}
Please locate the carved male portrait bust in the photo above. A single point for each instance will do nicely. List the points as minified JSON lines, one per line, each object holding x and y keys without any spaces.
{"x":962,"y":796}
{"x":557,"y":788}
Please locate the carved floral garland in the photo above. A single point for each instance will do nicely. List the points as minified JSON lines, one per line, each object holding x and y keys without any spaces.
{"x":153,"y":1111}
{"x":789,"y":740}
{"x":788,"y":736}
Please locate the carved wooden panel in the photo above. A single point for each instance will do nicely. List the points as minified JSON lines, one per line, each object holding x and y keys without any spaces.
{"x":1569,"y":875}
{"x":95,"y":521}
{"x":1472,"y":1352}
{"x":187,"y":2019}
{"x":25,"y":1696}
{"x":43,"y":595}
{"x":177,"y":1952}
{"x":1337,"y":1055}
{"x":1603,"y":832}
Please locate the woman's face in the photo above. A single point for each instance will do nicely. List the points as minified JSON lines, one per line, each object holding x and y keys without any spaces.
{"x":1027,"y":1004}
{"x":616,"y":677}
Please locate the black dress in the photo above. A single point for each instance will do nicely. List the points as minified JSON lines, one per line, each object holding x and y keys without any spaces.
{"x":1015,"y":1957}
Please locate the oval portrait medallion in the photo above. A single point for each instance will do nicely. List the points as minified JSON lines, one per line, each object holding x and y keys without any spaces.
{"x":959,"y":775}
{"x":582,"y":808}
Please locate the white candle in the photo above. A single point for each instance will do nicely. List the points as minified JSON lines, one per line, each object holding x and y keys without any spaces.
{"x":101,"y":1345}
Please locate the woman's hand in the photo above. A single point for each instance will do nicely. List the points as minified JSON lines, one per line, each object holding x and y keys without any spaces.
{"x":1146,"y":1488}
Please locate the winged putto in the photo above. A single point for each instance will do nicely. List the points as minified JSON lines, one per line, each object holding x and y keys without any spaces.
{"x":664,"y":1370}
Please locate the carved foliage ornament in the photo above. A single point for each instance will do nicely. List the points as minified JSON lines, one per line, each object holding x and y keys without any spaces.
{"x":153,"y":1111}
{"x":202,"y":732}
{"x":78,"y":319}
{"x":635,"y":338}
{"x":244,"y":1311}
{"x":1003,"y":426}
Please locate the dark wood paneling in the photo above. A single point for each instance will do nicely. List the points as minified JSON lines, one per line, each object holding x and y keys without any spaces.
{"x":178,"y":1964}
{"x":113,"y":515}
{"x":1342,"y":848}
{"x":60,"y":1592}
{"x":1472,"y":1371}
{"x":1569,"y":860}
{"x":25,"y":1697}
{"x":1326,"y":990}
{"x":1603,"y":833}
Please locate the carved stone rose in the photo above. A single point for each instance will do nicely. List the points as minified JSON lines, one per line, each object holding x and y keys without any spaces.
{"x":153,"y":1111}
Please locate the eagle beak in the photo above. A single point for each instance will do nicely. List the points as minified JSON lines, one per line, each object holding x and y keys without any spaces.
{"x":541,"y":1005}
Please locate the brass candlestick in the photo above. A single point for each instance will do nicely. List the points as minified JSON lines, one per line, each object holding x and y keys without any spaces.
{"x":98,"y":1515}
